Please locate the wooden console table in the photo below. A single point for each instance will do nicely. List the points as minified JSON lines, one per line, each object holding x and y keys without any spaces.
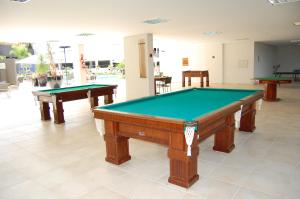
{"x":195,"y":73}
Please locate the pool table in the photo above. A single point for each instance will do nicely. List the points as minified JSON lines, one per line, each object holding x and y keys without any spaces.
{"x":59,"y":95}
{"x":163,"y":119}
{"x":270,"y":93}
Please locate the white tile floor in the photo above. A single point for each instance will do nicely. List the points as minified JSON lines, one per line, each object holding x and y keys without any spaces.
{"x":43,"y":160}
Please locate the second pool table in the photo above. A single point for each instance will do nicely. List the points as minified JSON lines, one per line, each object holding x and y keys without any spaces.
{"x":164,"y":119}
{"x":59,"y":95}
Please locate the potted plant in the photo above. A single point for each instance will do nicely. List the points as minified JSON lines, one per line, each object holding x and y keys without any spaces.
{"x":42,"y":68}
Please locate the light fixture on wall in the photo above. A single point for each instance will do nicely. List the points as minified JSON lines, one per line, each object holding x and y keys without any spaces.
{"x":277,"y":2}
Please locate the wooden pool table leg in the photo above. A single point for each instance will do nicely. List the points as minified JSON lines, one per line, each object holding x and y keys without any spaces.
{"x":270,"y":92}
{"x":247,"y":122}
{"x":94,"y":101}
{"x":224,"y":138}
{"x":183,"y":168}
{"x":108,"y":99}
{"x":58,"y":112}
{"x":45,"y":110}
{"x":117,"y":148}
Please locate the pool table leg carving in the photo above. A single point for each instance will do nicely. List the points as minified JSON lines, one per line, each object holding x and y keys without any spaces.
{"x":183,"y":168}
{"x":58,"y":113}
{"x":247,"y":123}
{"x":224,"y":138}
{"x":108,"y":99}
{"x":45,"y":110}
{"x":117,"y":148}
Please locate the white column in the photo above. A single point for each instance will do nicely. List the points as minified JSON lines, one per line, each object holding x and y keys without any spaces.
{"x":79,"y":71}
{"x":137,"y":86}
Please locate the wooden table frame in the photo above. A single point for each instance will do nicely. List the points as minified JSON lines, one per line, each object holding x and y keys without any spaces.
{"x":57,"y":100}
{"x":270,"y":91}
{"x":191,"y":73}
{"x":120,"y":126}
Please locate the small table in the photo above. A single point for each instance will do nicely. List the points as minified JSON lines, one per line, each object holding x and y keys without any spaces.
{"x":195,"y":73}
{"x":270,"y":93}
{"x":59,"y":95}
{"x":156,"y":79}
{"x":162,"y":119}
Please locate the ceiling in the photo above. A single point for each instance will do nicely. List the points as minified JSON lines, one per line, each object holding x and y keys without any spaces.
{"x":236,"y":20}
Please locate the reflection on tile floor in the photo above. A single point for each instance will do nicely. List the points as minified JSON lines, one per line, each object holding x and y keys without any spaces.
{"x":43,"y":160}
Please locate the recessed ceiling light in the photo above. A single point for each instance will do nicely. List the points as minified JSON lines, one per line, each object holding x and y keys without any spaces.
{"x":52,"y":41}
{"x":85,"y":34}
{"x":212,"y":33}
{"x":242,"y":39}
{"x":21,"y":1}
{"x":155,"y":21}
{"x":276,"y":2}
{"x":295,"y":41}
{"x":297,"y":23}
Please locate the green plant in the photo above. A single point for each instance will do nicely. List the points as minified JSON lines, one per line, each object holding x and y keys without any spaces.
{"x":121,"y":67}
{"x":42,"y":67}
{"x":2,"y":58}
{"x":20,"y":51}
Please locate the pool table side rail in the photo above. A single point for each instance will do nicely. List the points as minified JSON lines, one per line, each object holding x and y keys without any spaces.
{"x":168,"y":94}
{"x":74,"y":95}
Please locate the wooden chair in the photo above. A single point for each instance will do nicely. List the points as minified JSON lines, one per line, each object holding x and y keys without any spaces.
{"x":166,"y":85}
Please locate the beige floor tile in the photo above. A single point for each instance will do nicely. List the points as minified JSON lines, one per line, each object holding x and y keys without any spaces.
{"x":210,"y":188}
{"x":103,"y":193}
{"x":11,"y":177}
{"x":151,"y":190}
{"x":54,"y":177}
{"x":268,"y":181}
{"x":205,"y":168}
{"x":213,"y":156}
{"x":28,"y":189}
{"x":230,"y":175}
{"x":251,"y":194}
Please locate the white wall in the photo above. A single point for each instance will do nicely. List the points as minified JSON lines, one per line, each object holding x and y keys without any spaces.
{"x":288,"y":57}
{"x":264,"y":59}
{"x":239,"y":62}
{"x":135,"y":86}
{"x":171,"y":54}
{"x":213,"y":61}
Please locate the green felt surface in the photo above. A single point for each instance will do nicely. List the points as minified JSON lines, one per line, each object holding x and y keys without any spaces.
{"x":186,"y":105}
{"x":271,"y":78}
{"x":73,"y":88}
